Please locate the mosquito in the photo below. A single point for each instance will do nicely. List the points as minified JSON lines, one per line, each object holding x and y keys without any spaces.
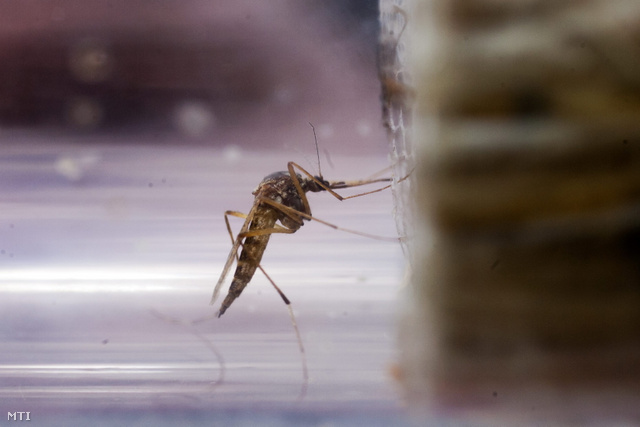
{"x":280,"y":206}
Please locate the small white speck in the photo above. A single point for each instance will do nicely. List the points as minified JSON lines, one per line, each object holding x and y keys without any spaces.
{"x":284,"y":95}
{"x":75,"y":166}
{"x":194,"y":118}
{"x":232,"y":153}
{"x":325,"y":131}
{"x":363,"y":128}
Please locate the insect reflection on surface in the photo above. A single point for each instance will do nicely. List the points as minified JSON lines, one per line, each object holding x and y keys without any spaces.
{"x":280,"y":206}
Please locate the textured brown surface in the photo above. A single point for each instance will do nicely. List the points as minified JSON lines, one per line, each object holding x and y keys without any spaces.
{"x":527,"y":121}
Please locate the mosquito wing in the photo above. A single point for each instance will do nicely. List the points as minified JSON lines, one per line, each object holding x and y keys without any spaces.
{"x":233,"y":254}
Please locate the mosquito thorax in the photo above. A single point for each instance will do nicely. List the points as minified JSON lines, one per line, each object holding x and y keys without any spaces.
{"x":275,"y":176}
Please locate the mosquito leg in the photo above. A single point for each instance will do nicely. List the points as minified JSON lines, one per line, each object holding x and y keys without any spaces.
{"x":285,"y":209}
{"x":189,"y":326}
{"x":276,"y":229}
{"x":303,"y":354}
{"x":363,"y":194}
{"x":241,"y":215}
{"x":357,"y":183}
{"x":294,"y":323}
{"x":348,"y":184}
{"x":296,"y":183}
{"x":263,"y":231}
{"x":290,"y":167}
{"x":337,"y":184}
{"x":233,"y":253}
{"x":237,"y":242}
{"x":237,"y":214}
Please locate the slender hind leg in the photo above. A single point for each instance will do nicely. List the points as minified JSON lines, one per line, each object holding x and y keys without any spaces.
{"x":291,"y":166}
{"x":328,"y":224}
{"x":294,"y":323}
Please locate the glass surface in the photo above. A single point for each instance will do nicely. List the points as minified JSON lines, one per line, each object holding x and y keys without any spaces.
{"x":125,"y":134}
{"x":97,"y":270}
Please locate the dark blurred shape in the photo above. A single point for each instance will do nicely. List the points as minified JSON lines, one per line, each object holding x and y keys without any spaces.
{"x":110,"y":79}
{"x":527,"y":113}
{"x":205,"y":70}
{"x":361,"y":17}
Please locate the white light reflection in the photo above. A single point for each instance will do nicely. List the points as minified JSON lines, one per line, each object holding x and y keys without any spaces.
{"x":87,"y":369}
{"x":88,"y":280}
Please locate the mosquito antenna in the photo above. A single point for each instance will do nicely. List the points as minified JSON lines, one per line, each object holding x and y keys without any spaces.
{"x":315,"y":137}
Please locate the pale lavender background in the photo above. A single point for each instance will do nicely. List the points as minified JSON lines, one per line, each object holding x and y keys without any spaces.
{"x":85,"y":264}
{"x":100,"y":229}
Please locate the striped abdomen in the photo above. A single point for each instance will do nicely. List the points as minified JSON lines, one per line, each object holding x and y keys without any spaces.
{"x":252,"y":250}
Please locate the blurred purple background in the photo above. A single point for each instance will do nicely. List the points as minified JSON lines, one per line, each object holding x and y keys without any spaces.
{"x":127,"y":128}
{"x":248,"y":73}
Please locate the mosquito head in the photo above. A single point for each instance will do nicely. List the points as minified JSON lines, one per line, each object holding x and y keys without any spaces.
{"x":314,"y":186}
{"x":337,"y":185}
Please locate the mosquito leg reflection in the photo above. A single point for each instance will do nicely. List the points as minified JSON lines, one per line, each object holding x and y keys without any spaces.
{"x":294,"y":323}
{"x":190,"y":327}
